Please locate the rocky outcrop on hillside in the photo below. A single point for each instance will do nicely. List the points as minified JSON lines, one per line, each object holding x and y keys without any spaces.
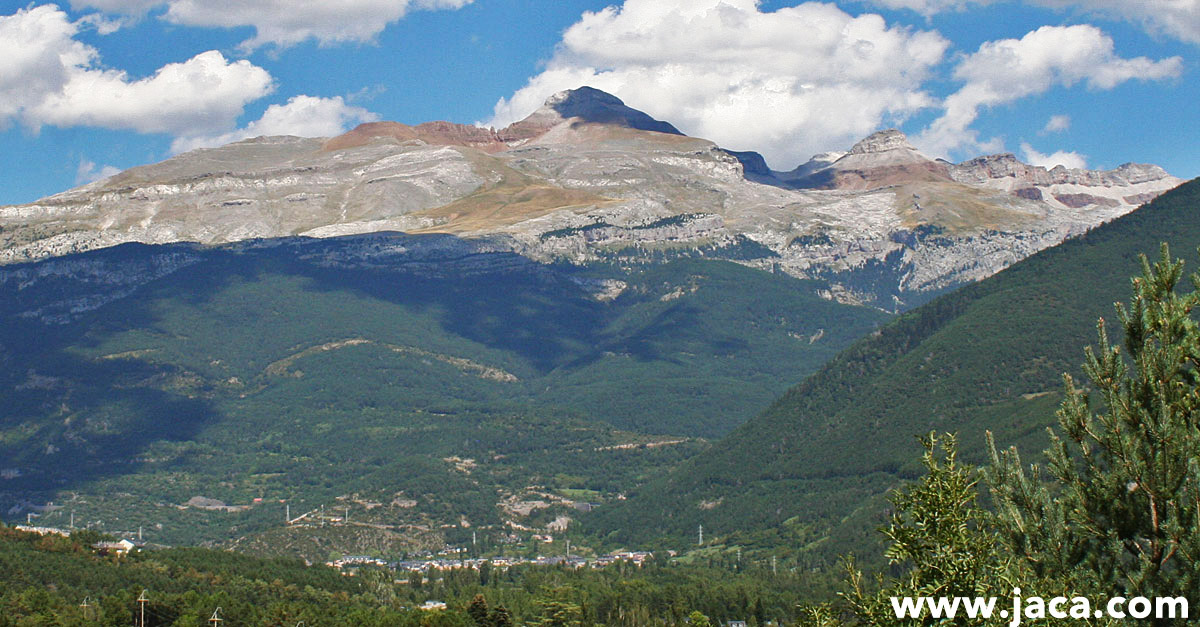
{"x":586,"y":179}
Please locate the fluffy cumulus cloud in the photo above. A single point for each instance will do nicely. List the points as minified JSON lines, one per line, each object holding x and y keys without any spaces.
{"x":281,"y":22}
{"x":205,"y":92}
{"x":1175,"y":18}
{"x":1009,"y":69}
{"x":38,"y":57}
{"x":49,"y":77}
{"x":1062,"y":157}
{"x":304,"y":116}
{"x":1057,"y":124}
{"x":788,"y":83}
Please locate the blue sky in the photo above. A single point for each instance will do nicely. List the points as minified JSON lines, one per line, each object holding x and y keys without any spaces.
{"x":88,"y":87}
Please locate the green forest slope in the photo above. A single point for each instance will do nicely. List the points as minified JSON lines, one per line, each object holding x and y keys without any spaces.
{"x":313,"y":369}
{"x":808,"y":474}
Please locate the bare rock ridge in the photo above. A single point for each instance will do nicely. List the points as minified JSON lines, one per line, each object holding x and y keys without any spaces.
{"x":587,"y":178}
{"x":993,"y":167}
{"x":584,"y":106}
{"x":435,"y":133}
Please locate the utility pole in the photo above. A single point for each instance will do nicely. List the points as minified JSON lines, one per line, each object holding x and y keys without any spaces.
{"x":142,"y":601}
{"x":86,"y":606}
{"x":774,"y":570}
{"x":216,"y":619}
{"x":700,"y":541}
{"x":139,"y":533}
{"x":72,"y":519}
{"x":287,"y":516}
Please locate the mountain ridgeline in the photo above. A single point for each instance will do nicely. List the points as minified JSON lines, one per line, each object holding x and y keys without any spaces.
{"x":809,"y":473}
{"x":586,"y":179}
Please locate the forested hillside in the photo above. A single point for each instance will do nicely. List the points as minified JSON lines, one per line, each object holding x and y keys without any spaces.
{"x":809,"y":473}
{"x":424,"y":381}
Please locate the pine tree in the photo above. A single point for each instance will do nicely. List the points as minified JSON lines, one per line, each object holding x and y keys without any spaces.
{"x":558,"y":611}
{"x":938,"y":530}
{"x":478,"y":611}
{"x":501,"y":617}
{"x":1119,"y":512}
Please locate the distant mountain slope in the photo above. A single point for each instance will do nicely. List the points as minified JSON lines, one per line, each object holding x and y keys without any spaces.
{"x":807,"y":475}
{"x":139,"y":378}
{"x":587,"y":179}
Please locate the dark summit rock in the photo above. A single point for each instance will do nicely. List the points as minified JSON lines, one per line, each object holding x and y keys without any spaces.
{"x":593,"y":105}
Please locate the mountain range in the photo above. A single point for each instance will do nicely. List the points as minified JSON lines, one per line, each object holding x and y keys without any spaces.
{"x":585,"y":179}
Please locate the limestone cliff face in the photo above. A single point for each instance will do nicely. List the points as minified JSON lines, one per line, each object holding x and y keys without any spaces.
{"x":587,"y":178}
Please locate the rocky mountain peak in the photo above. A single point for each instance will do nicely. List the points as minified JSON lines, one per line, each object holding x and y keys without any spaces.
{"x":883,"y":158}
{"x":882,"y":141}
{"x":589,"y":105}
{"x":581,"y":98}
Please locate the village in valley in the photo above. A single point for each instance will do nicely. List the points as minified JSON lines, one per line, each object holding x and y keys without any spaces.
{"x":443,"y":561}
{"x":513,"y":544}
{"x":447,"y":559}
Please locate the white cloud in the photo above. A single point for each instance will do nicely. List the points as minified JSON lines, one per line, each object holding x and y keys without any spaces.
{"x":38,"y":57}
{"x":788,"y":83}
{"x":928,"y":7}
{"x":282,"y":22}
{"x":1057,"y":124}
{"x":304,"y":116}
{"x":1062,"y":157}
{"x":103,"y":24}
{"x":1006,"y":70}
{"x":88,"y":172}
{"x":206,"y":92}
{"x":127,"y":7}
{"x":1176,"y":18}
{"x":47,"y":77}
